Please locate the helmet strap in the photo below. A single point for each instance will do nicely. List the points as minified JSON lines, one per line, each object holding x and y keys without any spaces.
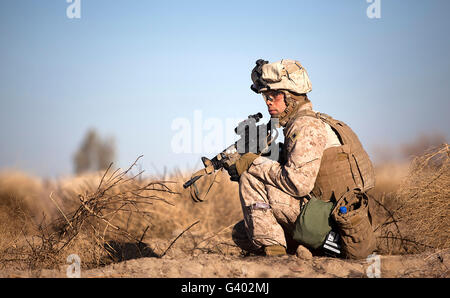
{"x":292,"y":106}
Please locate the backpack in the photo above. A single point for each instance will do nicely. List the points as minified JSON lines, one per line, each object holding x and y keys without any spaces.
{"x":345,"y":175}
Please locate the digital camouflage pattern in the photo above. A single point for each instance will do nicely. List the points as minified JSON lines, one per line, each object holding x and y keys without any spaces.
{"x":271,"y":194}
{"x":286,"y":74}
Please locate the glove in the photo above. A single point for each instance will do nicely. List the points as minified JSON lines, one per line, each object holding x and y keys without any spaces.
{"x":245,"y":162}
{"x":242,"y":164}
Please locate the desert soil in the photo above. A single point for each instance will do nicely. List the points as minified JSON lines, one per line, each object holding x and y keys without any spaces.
{"x":212,"y":265}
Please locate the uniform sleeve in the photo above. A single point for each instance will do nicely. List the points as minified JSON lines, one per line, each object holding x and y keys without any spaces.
{"x":305,"y":145}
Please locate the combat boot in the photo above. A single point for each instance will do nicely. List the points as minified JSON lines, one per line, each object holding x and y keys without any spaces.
{"x":275,"y":250}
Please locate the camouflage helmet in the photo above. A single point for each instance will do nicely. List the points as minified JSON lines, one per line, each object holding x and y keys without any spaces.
{"x":288,"y":75}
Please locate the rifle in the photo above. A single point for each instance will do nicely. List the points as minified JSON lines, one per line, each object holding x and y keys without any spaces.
{"x":259,"y":139}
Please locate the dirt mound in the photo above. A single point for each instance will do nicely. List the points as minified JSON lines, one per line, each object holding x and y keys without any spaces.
{"x":229,"y":266}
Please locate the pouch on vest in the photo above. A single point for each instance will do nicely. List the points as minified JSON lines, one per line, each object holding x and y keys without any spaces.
{"x":355,"y":228}
{"x":314,"y":223}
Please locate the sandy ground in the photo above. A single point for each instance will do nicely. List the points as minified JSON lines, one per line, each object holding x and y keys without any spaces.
{"x":212,"y":265}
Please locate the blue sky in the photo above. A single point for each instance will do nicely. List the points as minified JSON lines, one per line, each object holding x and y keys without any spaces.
{"x":129,"y":68}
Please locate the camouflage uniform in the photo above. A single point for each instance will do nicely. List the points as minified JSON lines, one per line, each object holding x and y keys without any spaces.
{"x":272,"y":194}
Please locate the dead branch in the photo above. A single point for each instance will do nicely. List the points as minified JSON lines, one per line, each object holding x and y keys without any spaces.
{"x":164,"y":253}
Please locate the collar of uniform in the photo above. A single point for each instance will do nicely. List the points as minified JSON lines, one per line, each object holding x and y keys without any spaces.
{"x":303,"y":107}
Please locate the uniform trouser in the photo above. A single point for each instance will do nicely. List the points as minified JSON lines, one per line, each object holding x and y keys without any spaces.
{"x":269,"y":214}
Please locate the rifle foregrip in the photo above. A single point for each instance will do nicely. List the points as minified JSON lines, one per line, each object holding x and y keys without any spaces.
{"x":191,"y":181}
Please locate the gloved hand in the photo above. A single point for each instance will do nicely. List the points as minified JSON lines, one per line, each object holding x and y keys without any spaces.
{"x":245,"y":162}
{"x":242,"y":164}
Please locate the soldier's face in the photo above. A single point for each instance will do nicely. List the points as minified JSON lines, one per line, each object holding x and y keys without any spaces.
{"x":275,"y":103}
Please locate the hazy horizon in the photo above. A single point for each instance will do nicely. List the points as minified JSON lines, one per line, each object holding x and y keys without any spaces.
{"x":130,"y":69}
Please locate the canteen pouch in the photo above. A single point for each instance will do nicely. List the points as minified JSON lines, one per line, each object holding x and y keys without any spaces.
{"x":355,"y":228}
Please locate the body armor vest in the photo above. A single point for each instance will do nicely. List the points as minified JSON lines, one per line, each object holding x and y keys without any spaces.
{"x":344,"y":167}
